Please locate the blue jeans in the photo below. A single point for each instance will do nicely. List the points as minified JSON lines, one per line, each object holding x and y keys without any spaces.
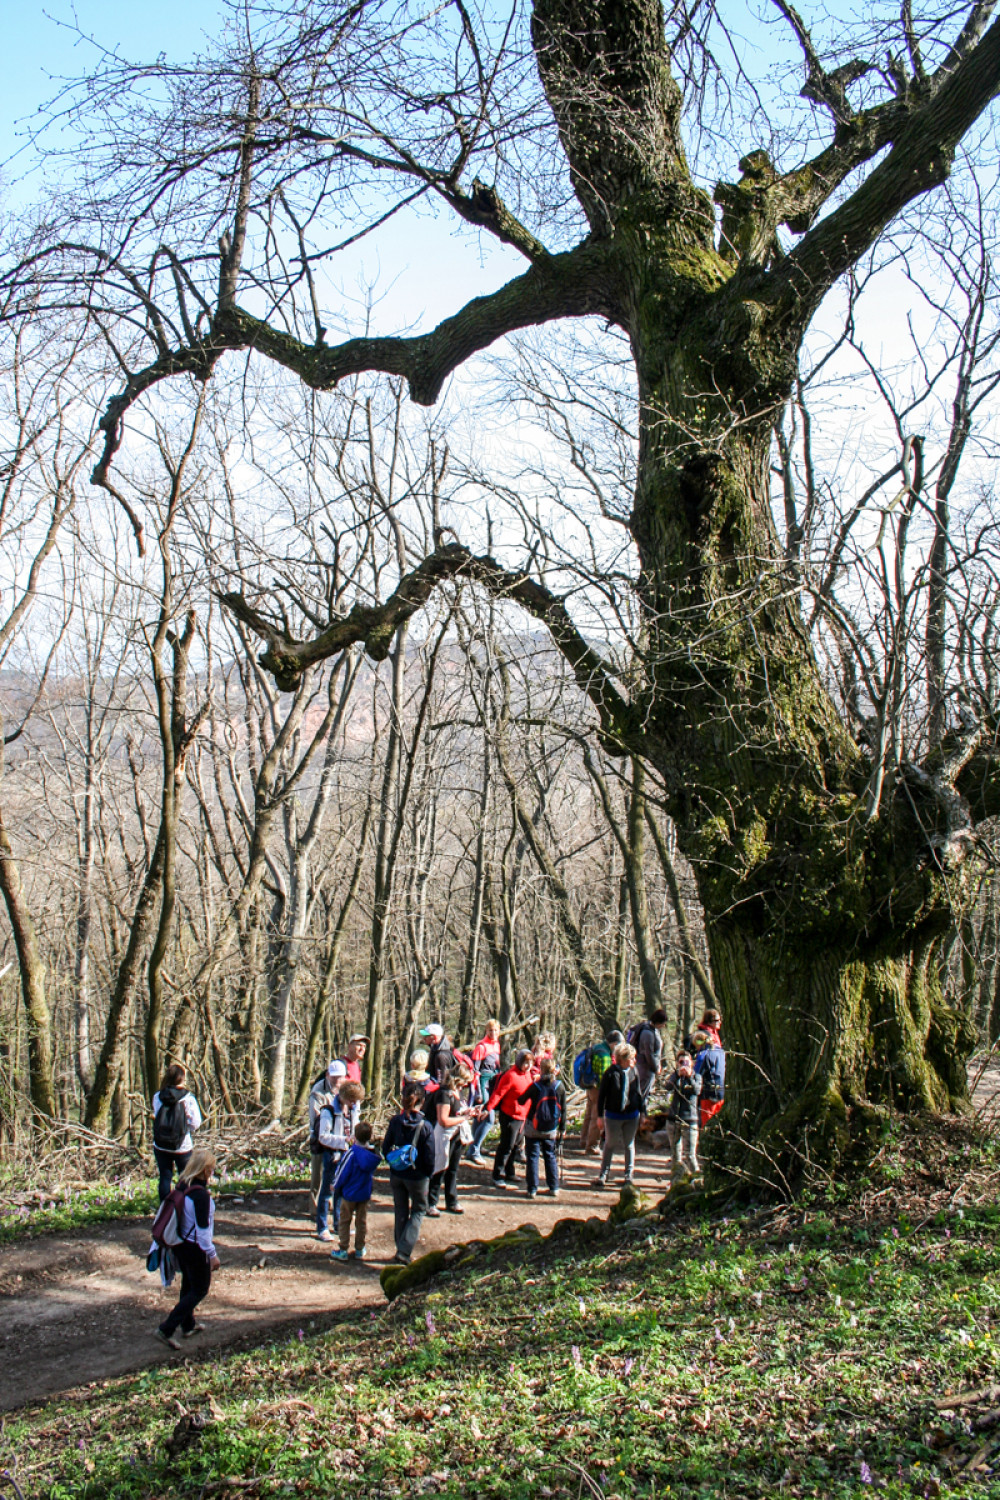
{"x":479,"y":1134}
{"x":547,"y":1146}
{"x":166,"y":1161}
{"x":331,"y":1161}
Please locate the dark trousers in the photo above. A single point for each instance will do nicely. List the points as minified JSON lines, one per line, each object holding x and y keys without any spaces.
{"x":196,"y":1278}
{"x":449,"y":1177}
{"x":546,"y":1145}
{"x":166,"y":1161}
{"x":511,"y":1132}
{"x":409,"y":1200}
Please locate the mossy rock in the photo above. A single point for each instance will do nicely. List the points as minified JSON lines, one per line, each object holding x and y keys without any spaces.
{"x":631,"y":1203}
{"x":565,"y":1226}
{"x":395,"y":1280}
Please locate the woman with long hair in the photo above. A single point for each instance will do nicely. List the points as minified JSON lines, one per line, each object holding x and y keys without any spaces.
{"x":195,"y":1254}
{"x":176,"y":1117}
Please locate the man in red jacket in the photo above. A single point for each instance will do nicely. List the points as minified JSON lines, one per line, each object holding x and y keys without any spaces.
{"x":510,"y":1096}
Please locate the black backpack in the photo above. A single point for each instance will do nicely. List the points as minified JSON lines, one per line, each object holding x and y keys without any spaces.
{"x":546,"y":1115}
{"x":170,"y":1124}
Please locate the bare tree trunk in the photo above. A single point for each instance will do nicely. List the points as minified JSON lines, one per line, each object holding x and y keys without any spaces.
{"x":29,"y":958}
{"x":466,"y":1009}
{"x":688,"y":948}
{"x":385,"y":846}
{"x":120,"y":1010}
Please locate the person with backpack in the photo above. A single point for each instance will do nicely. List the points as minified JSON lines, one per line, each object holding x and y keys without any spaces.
{"x":648,"y":1043}
{"x":441,"y":1056}
{"x":544,"y":1127}
{"x":589,"y":1067}
{"x":486,"y":1056}
{"x":619,"y":1105}
{"x":409,"y":1150}
{"x":710,"y":1066}
{"x":451,"y":1117}
{"x":194,"y":1249}
{"x":334,"y":1132}
{"x":509,"y":1096}
{"x":176,"y":1117}
{"x":681,"y":1127}
{"x":353,"y":1184}
{"x":322,"y":1093}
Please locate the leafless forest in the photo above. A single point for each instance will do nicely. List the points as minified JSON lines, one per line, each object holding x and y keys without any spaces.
{"x":236,"y":863}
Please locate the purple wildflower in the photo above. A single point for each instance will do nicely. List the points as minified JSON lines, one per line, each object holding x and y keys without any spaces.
{"x":866,"y":1473}
{"x":628,"y":1366}
{"x":575,"y":1351}
{"x":430,"y":1324}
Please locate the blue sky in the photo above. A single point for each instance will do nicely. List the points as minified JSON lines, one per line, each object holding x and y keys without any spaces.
{"x":41,"y":46}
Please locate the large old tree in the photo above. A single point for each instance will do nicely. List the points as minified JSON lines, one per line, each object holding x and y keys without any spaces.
{"x":825,"y":905}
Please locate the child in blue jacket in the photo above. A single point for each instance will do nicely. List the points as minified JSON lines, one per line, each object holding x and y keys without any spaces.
{"x":353,"y":1184}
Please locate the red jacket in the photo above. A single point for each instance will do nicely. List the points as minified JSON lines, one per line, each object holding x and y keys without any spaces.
{"x":509,"y":1094}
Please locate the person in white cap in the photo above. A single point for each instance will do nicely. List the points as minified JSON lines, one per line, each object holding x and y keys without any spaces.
{"x":357,"y":1046}
{"x":441,"y":1058}
{"x":323,"y":1092}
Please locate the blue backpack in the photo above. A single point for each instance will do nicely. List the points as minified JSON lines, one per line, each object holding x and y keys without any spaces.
{"x":402,"y":1157}
{"x":583,"y":1069}
{"x":711,"y":1066}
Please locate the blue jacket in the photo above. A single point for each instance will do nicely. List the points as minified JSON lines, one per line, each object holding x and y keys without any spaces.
{"x":354,"y":1176}
{"x":710,"y":1066}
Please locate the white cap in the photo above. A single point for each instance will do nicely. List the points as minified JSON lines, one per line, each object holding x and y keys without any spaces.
{"x":434,"y":1030}
{"x":336,"y":1069}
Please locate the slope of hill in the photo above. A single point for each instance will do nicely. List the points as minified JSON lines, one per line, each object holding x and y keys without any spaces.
{"x":830,"y":1348}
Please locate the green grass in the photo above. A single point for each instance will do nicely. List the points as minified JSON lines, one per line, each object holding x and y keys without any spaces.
{"x":794,"y":1354}
{"x":104,"y":1201}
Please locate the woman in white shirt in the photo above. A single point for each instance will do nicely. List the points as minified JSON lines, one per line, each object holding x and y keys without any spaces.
{"x":175,"y":1116}
{"x":196,"y":1257}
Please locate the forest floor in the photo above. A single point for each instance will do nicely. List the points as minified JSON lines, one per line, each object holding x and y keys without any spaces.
{"x":827,"y":1349}
{"x":81,"y":1307}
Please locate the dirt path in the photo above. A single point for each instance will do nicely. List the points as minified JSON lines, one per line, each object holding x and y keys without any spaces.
{"x":78,"y":1308}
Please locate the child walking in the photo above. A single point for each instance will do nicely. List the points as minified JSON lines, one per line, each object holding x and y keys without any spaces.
{"x":353,"y":1183}
{"x":682,"y":1117}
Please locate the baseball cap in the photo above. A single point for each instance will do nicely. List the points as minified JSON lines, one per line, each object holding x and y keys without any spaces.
{"x":336,"y":1069}
{"x":358,"y":1036}
{"x":433,"y":1030}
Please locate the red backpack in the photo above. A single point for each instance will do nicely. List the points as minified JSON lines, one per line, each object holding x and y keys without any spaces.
{"x":169,"y":1218}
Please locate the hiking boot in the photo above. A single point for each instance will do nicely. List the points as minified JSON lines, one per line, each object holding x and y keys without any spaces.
{"x":338,"y":1254}
{"x":552,"y":1192}
{"x":433,"y":1213}
{"x":189,"y":1333}
{"x":454,"y":1208}
{"x":499,"y":1184}
{"x":474,"y":1159}
{"x":361,"y":1253}
{"x":532,"y":1193}
{"x":400,"y":1260}
{"x":325,"y":1236}
{"x":600,"y":1182}
{"x":166,"y":1338}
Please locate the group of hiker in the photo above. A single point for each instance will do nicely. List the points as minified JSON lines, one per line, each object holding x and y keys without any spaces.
{"x":450,"y":1102}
